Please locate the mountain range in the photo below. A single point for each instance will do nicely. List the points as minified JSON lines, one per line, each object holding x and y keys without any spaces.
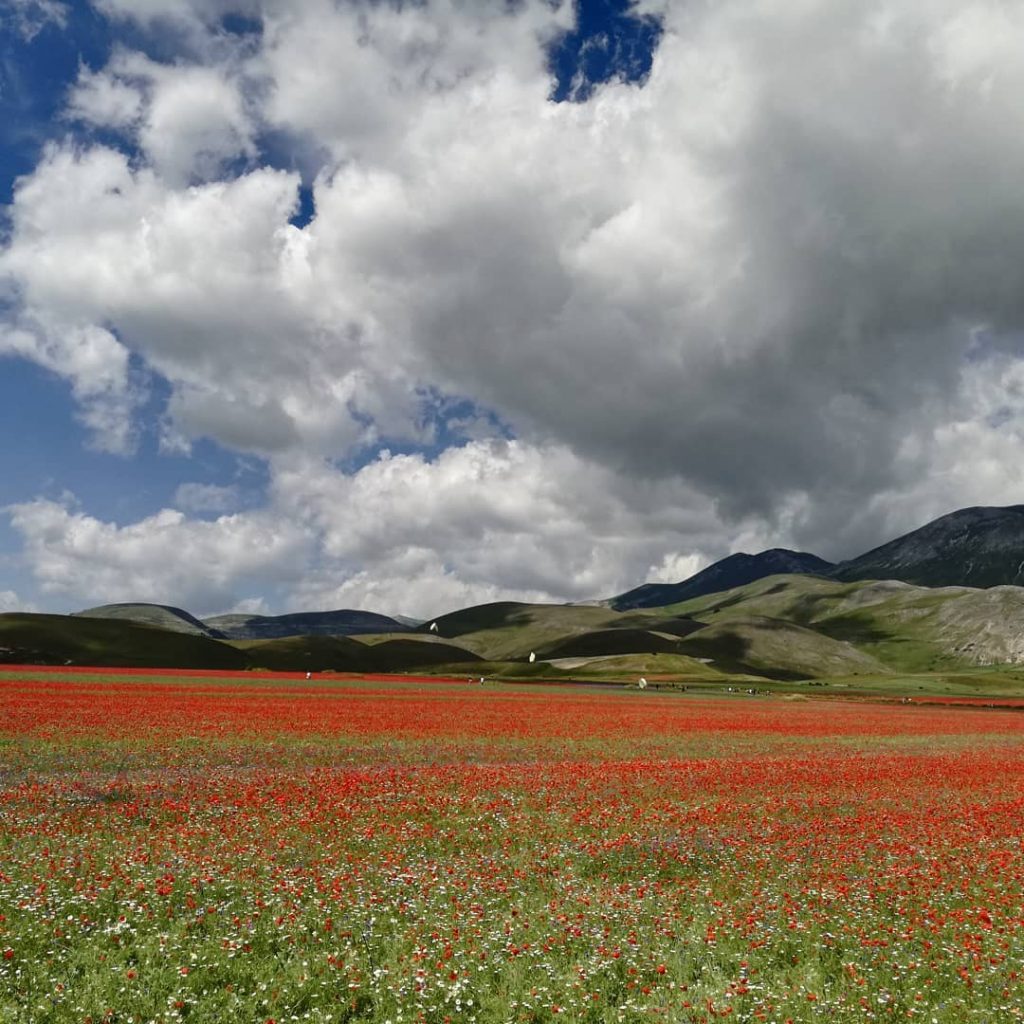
{"x":944,"y":597}
{"x":734,"y":571}
{"x":973,"y":547}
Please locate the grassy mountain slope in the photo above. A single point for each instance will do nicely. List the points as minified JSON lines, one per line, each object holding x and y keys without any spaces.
{"x":735,"y":571}
{"x":629,"y":667}
{"x":905,"y":627}
{"x":162,"y":616}
{"x":505,"y":615}
{"x":401,"y":654}
{"x":511,"y":630}
{"x":57,"y":639}
{"x":776,"y":649}
{"x":304,"y":653}
{"x":600,"y":642}
{"x":343,"y":622}
{"x":344,"y":654}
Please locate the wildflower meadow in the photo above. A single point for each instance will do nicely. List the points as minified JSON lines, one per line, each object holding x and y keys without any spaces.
{"x":209,"y":848}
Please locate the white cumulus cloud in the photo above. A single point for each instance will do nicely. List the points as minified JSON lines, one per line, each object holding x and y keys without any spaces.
{"x":165,"y":557}
{"x":10,"y":602}
{"x":749,"y":292}
{"x":405,"y":535}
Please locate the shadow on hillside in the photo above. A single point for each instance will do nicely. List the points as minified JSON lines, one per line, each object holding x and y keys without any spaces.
{"x":731,"y":652}
{"x":853,"y":629}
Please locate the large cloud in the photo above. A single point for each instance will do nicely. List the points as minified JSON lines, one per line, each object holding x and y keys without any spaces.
{"x":490,"y":520}
{"x":78,"y":559}
{"x":190,"y":121}
{"x":10,"y":602}
{"x":758,"y":281}
{"x":97,"y":366}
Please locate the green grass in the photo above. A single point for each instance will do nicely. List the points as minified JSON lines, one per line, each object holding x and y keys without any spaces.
{"x":56,"y":639}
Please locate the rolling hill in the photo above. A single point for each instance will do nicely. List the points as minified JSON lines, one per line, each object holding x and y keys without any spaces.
{"x":776,"y":649}
{"x":904,"y":627}
{"x":600,"y":642}
{"x":163,"y":616}
{"x":344,"y":654}
{"x":344,"y":622}
{"x":510,"y":631}
{"x":734,"y":571}
{"x":30,"y":639}
{"x":79,"y":640}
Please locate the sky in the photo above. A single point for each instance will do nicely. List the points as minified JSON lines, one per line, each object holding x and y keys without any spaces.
{"x":408,"y":306}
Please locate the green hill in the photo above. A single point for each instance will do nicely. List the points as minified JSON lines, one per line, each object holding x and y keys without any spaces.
{"x":163,"y":616}
{"x":401,"y":655}
{"x":907,"y":628}
{"x":80,"y":640}
{"x":344,"y":622}
{"x":734,"y":571}
{"x":785,"y":627}
{"x":600,"y":642}
{"x":76,"y":640}
{"x":506,"y":615}
{"x":344,"y":654}
{"x":629,"y":667}
{"x":511,"y":630}
{"x":304,"y":654}
{"x":775,"y":649}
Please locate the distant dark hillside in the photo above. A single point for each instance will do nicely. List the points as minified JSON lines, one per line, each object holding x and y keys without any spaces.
{"x":496,"y":615}
{"x":305,"y":654}
{"x":163,"y":616}
{"x":734,"y":571}
{"x":344,"y":654}
{"x":79,"y":640}
{"x":344,"y":622}
{"x":59,"y":639}
{"x":973,"y":547}
{"x":402,"y":655}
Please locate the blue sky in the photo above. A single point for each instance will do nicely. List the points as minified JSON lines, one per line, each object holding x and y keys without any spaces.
{"x":409,"y":306}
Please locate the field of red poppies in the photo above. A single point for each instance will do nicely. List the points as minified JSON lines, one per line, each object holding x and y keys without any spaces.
{"x":266,"y":849}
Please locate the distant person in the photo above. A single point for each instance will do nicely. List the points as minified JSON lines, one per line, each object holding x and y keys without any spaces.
{"x":309,"y":675}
